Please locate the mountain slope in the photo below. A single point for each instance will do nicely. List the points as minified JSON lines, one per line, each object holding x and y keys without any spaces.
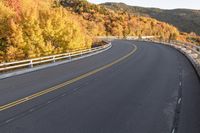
{"x":103,"y":21}
{"x":184,"y":19}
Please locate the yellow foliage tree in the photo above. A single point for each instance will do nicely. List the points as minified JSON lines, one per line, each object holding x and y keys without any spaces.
{"x":35,"y":28}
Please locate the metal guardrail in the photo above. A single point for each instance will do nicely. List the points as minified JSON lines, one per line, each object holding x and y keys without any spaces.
{"x":122,"y":37}
{"x":42,"y":60}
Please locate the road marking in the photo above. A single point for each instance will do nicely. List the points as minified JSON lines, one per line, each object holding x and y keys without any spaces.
{"x":180,"y":84}
{"x":9,"y":120}
{"x":63,"y":95}
{"x":173,"y":131}
{"x":31,"y":110}
{"x":54,"y":88}
{"x":49,"y":102}
{"x":179,"y":100}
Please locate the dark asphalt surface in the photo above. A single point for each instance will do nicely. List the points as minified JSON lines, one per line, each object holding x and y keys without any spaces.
{"x":137,"y":95}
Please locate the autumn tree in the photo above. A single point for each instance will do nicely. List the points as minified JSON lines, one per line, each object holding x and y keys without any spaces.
{"x":37,"y":28}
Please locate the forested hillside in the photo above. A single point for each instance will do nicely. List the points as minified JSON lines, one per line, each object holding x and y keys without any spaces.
{"x":185,"y":20}
{"x":103,"y":21}
{"x":34,"y":28}
{"x":120,"y":22}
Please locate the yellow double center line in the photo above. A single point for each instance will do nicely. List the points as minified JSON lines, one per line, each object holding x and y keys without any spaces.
{"x":41,"y":93}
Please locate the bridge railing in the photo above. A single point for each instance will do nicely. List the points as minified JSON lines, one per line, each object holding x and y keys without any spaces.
{"x":50,"y":59}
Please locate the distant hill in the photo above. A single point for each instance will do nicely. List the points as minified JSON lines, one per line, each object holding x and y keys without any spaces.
{"x":184,"y":19}
{"x":103,"y":21}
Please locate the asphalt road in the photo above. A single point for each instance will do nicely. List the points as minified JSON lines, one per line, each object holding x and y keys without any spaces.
{"x":136,"y":95}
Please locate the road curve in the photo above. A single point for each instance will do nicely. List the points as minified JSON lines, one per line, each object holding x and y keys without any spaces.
{"x":138,"y":94}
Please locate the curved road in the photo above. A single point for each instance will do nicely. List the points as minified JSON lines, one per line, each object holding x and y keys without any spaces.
{"x":122,"y":90}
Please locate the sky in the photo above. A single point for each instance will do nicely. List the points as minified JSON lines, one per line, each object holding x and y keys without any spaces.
{"x":164,"y":4}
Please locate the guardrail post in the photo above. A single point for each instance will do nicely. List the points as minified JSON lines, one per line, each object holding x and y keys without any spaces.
{"x":70,"y":57}
{"x":4,"y":66}
{"x":54,"y":59}
{"x":31,"y":63}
